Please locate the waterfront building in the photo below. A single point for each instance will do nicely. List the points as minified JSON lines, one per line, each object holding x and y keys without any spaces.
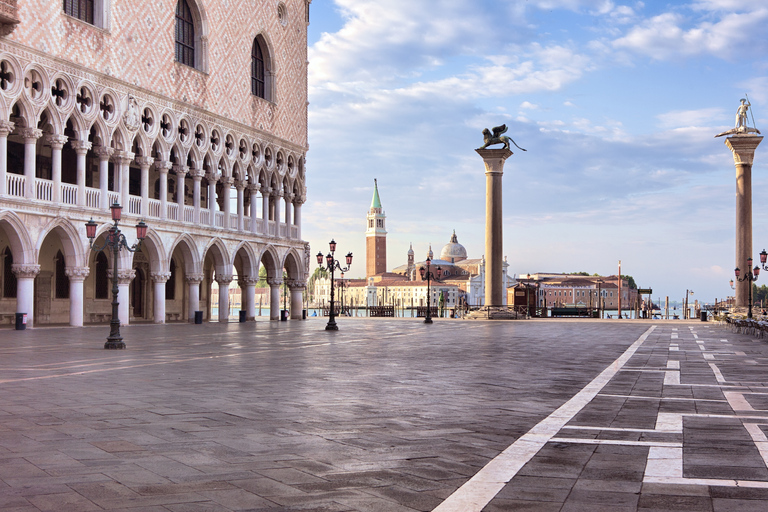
{"x":576,"y":290}
{"x":191,"y":114}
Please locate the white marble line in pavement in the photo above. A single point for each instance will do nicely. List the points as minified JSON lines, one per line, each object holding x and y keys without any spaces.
{"x":479,"y":490}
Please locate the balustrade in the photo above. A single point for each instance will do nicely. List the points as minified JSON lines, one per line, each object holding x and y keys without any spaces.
{"x":134,"y":205}
{"x":14,"y":185}
{"x":283,"y":230}
{"x":294,"y":231}
{"x":272,"y":228}
{"x":247,"y":224}
{"x":92,"y":197}
{"x":189,"y":213}
{"x":43,"y":189}
{"x":173,"y":211}
{"x":232,"y":221}
{"x":205,"y":217}
{"x":154,"y":208}
{"x":219,"y":219}
{"x":114,"y":197}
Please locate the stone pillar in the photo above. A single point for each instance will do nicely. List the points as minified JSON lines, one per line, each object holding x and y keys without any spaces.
{"x":212,"y":198}
{"x":103,"y":152}
{"x":124,"y":278}
{"x":145,"y":162}
{"x":193,"y":282}
{"x":25,"y":289}
{"x":494,"y":266}
{"x":162,"y":168}
{"x":181,"y":173}
{"x":240,"y":206}
{"x":30,"y":136}
{"x":297,"y":298}
{"x":197,"y":177}
{"x":56,"y":142}
{"x":743,"y":147}
{"x":76,"y":277}
{"x":297,"y":202}
{"x":227,"y":182}
{"x":248,"y":285}
{"x":254,"y":190}
{"x":223,"y":281}
{"x":288,"y":207}
{"x":6,"y":127}
{"x":265,"y":199}
{"x":276,"y":207}
{"x":123,"y":163}
{"x":274,"y":297}
{"x":81,"y":147}
{"x":159,"y":278}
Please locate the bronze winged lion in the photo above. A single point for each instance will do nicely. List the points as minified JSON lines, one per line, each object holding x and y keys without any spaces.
{"x":497,"y":138}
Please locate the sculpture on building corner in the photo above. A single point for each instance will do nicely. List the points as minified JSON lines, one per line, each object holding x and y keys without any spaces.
{"x":496,"y":137}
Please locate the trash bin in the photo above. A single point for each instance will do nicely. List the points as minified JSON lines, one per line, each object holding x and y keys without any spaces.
{"x":21,"y":321}
{"x":242,"y":315}
{"x":283,"y":315}
{"x":303,"y":314}
{"x":198,"y":317}
{"x":703,"y":316}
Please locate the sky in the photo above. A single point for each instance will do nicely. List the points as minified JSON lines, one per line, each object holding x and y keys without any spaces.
{"x":616,"y":103}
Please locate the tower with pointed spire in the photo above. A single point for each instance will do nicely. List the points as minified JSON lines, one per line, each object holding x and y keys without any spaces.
{"x":375,"y":237}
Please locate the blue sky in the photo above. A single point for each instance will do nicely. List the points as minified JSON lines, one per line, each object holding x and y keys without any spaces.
{"x":617,"y":104}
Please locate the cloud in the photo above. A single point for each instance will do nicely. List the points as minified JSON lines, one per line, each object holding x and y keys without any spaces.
{"x":707,"y":117}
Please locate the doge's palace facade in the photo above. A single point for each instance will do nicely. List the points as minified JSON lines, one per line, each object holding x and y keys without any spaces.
{"x":191,"y":114}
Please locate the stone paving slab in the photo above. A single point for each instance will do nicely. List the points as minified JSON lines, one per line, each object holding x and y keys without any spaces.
{"x":385,"y":415}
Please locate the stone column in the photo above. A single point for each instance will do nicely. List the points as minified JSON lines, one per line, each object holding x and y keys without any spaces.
{"x":81,"y":147}
{"x":223,"y":281}
{"x":297,"y":298}
{"x":743,"y":147}
{"x":76,"y":277}
{"x":6,"y":127}
{"x":193,"y":282}
{"x":103,"y":152}
{"x":123,"y":163}
{"x":25,"y":289}
{"x":30,"y":136}
{"x":248,"y":286}
{"x":56,"y":142}
{"x":254,"y":190}
{"x":297,"y":202}
{"x":288,"y":207}
{"x":197,"y":178}
{"x":160,"y":278}
{"x":124,"y":278}
{"x":145,"y":162}
{"x":240,"y":206}
{"x":212,"y":198}
{"x":265,"y":200}
{"x":162,"y":168}
{"x":274,"y":297}
{"x":494,"y":265}
{"x":276,"y":206}
{"x":227,"y":182}
{"x":181,"y":173}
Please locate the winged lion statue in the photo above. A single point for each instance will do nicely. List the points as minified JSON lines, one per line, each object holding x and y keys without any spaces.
{"x":497,"y":138}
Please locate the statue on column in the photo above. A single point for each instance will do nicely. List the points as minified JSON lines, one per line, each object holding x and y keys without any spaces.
{"x":741,"y":120}
{"x":497,"y":138}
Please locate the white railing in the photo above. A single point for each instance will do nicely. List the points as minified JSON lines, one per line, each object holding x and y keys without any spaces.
{"x":219,"y":219}
{"x":247,"y":224}
{"x":232,"y":221}
{"x":43,"y":189}
{"x":154,"y":208}
{"x":92,"y":197}
{"x":134,"y":205}
{"x":205,"y":217}
{"x":189,"y":213}
{"x":294,"y":232}
{"x":68,"y":193}
{"x":113,"y":197}
{"x":283,"y":230}
{"x":14,"y":184}
{"x":173,"y":211}
{"x":272,"y":228}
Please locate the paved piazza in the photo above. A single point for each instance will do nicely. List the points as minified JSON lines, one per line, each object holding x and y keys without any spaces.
{"x":385,"y":415}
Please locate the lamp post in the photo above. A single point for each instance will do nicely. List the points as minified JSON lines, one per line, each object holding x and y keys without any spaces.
{"x":331,"y":264}
{"x":751,"y":277}
{"x":599,"y":298}
{"x":341,"y":286}
{"x":116,"y":241}
{"x":429,"y":276}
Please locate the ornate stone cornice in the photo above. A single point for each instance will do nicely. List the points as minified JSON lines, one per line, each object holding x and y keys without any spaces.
{"x":77,"y":273}
{"x":23,"y":270}
{"x":160,"y":277}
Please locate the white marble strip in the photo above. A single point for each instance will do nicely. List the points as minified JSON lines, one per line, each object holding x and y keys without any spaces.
{"x":755,"y":484}
{"x":664,"y":462}
{"x":673,"y":365}
{"x":674,"y":349}
{"x":672,"y":378}
{"x":758,"y":436}
{"x":716,"y":371}
{"x":659,"y":444}
{"x":479,"y":490}
{"x":709,"y":357}
{"x":639,"y":397}
{"x":737,"y":401}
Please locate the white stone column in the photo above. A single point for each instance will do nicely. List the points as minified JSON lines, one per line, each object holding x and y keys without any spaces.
{"x":57,"y":143}
{"x":297,"y":298}
{"x":160,"y":278}
{"x":227,"y":182}
{"x":76,"y":277}
{"x":297,"y":202}
{"x":30,"y":136}
{"x":81,"y":147}
{"x":276,"y":202}
{"x":240,"y":206}
{"x":248,"y":285}
{"x":181,"y":173}
{"x":254,"y":190}
{"x":124,"y":278}
{"x":25,"y":289}
{"x":145,"y":162}
{"x":212,"y":198}
{"x":104,"y":153}
{"x":265,"y":200}
{"x":224,"y":281}
{"x":288,"y":207}
{"x":123,"y":163}
{"x":274,"y":297}
{"x":6,"y":127}
{"x":162,"y":168}
{"x":197,"y":177}
{"x":193,"y":283}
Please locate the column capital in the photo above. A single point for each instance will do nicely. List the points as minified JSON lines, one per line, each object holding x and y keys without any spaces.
{"x":197,"y":175}
{"x":163,"y":166}
{"x":227,"y":180}
{"x":224,"y":279}
{"x":6,"y":127}
{"x":299,"y":199}
{"x":743,"y":147}
{"x":289,"y":196}
{"x":254,"y":188}
{"x":77,"y":273}
{"x":248,"y":281}
{"x":124,"y":157}
{"x":145,"y":161}
{"x":125,"y":276}
{"x":30,"y":134}
{"x":160,"y":277}
{"x":25,"y":270}
{"x":494,"y":159}
{"x":296,"y":284}
{"x":265,"y":190}
{"x":181,"y":170}
{"x":81,"y":147}
{"x":274,"y":281}
{"x":56,"y":141}
{"x":195,"y":278}
{"x":103,"y":152}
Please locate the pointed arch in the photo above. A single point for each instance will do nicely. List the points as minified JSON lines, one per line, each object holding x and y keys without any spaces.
{"x":272,"y":261}
{"x":18,"y":237}
{"x":249,"y":259}
{"x":74,"y":249}
{"x":219,"y":253}
{"x":293,"y":265}
{"x":186,"y":244}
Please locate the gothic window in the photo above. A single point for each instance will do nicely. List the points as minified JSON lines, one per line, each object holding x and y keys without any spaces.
{"x":185,"y":34}
{"x":258,"y":77}
{"x":80,"y":9}
{"x":101,"y":278}
{"x":9,"y":278}
{"x":62,"y":281}
{"x":170,"y":285}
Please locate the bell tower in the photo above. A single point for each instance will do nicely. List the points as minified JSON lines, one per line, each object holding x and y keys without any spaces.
{"x":375,"y":237}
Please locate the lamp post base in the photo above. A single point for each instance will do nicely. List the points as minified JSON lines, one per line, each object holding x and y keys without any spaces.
{"x":427,"y":320}
{"x":114,"y":344}
{"x":331,"y":327}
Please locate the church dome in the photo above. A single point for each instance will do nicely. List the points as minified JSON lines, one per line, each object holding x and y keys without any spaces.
{"x":453,"y":251}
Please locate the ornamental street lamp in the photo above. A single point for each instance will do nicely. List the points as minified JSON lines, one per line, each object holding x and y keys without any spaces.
{"x":751,"y":276}
{"x":429,"y":276}
{"x":331,"y":264}
{"x":116,"y":241}
{"x":342,"y":284}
